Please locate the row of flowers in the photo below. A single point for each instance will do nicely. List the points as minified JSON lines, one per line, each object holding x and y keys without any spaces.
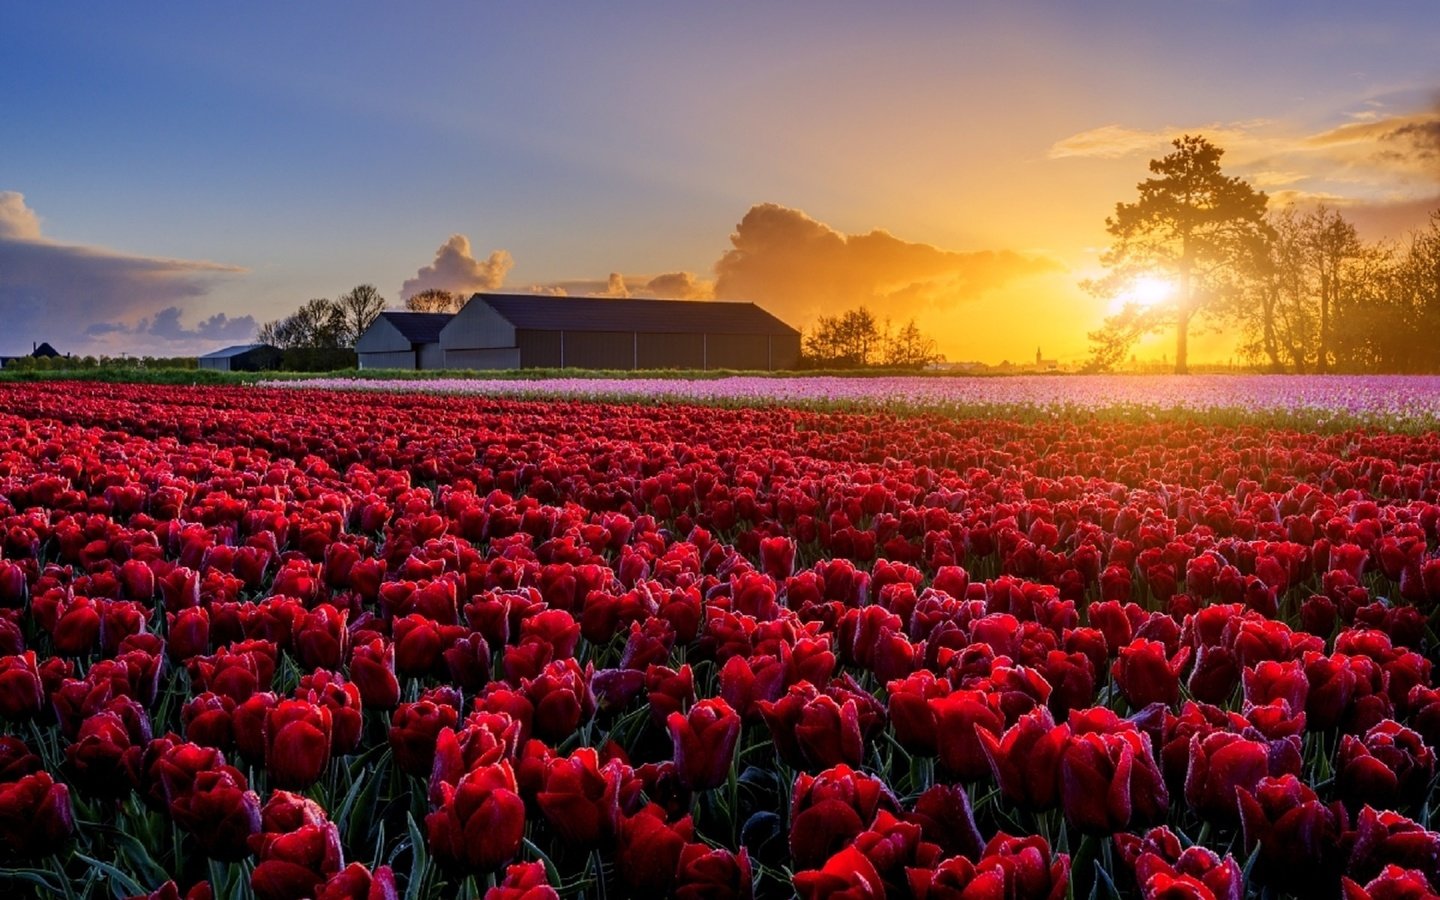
{"x":1398,"y":399}
{"x":295,"y":645}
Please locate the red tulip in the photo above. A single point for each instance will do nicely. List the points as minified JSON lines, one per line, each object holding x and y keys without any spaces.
{"x":580,"y":797}
{"x":1026,"y":760}
{"x":712,"y":873}
{"x":704,"y":742}
{"x":219,"y":811}
{"x":297,"y":743}
{"x":414,"y":729}
{"x":649,"y":849}
{"x":1390,"y":767}
{"x":35,"y":816}
{"x":1109,"y":780}
{"x":372,"y":670}
{"x":1298,"y":837}
{"x":828,"y":810}
{"x":959,"y":717}
{"x":1144,"y":675}
{"x":355,"y":882}
{"x":1222,"y":763}
{"x":523,"y":881}
{"x":294,"y":864}
{"x":1384,"y":838}
{"x":480,"y":821}
{"x":21,"y":692}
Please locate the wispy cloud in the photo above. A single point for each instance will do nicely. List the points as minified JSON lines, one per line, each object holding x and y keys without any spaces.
{"x":1380,"y":161}
{"x":57,"y":292}
{"x":669,"y":285}
{"x":1117,"y":141}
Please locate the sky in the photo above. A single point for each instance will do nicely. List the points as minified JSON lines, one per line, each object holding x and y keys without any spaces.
{"x":172,"y":175}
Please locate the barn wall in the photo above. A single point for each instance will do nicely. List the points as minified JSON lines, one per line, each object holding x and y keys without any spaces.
{"x":672,"y":351}
{"x":737,"y":351}
{"x":476,"y":325}
{"x":382,"y":337}
{"x":785,"y":351}
{"x":484,"y":358}
{"x":218,"y":365}
{"x":394,"y":360}
{"x":539,"y":349}
{"x":599,"y":350}
{"x":430,"y":356}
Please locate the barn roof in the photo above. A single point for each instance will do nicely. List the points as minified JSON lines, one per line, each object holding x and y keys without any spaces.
{"x":236,"y":350}
{"x":418,"y":327}
{"x":539,"y":312}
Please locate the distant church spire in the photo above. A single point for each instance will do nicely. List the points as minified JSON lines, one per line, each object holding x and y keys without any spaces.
{"x":1038,"y":357}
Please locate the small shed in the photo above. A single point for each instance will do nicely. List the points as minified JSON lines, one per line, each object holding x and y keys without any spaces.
{"x":242,"y":358}
{"x":504,"y":331}
{"x":403,"y":340}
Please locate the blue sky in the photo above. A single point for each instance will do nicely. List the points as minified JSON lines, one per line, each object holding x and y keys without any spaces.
{"x":316,"y":146}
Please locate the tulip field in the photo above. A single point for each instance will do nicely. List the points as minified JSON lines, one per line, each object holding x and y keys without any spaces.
{"x":288,"y":641}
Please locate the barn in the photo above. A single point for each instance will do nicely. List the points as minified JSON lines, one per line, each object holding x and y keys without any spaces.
{"x":403,"y":340}
{"x":242,"y":358}
{"x":508,"y":331}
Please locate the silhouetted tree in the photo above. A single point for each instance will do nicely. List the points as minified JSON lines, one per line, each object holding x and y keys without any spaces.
{"x":435,"y":300}
{"x":851,"y":340}
{"x":1191,"y":222}
{"x":359,"y":308}
{"x":319,"y":323}
{"x":909,"y":348}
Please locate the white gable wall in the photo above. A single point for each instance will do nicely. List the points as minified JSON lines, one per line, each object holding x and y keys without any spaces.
{"x":383,"y":337}
{"x":476,"y":326}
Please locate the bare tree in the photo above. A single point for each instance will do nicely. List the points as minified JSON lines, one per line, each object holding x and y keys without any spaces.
{"x":359,"y":308}
{"x":437,"y":300}
{"x":319,"y":323}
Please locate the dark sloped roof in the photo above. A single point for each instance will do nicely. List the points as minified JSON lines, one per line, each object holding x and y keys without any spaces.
{"x":418,"y":327}
{"x":237,"y":350}
{"x":45,"y":350}
{"x":546,"y":313}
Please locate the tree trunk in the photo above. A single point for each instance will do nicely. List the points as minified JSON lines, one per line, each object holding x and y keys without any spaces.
{"x":1182,"y":330}
{"x":1272,"y":348}
{"x":1322,"y":364}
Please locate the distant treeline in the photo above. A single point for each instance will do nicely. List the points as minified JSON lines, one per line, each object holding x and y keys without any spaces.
{"x":1323,"y":300}
{"x":87,"y":363}
{"x":855,"y":340}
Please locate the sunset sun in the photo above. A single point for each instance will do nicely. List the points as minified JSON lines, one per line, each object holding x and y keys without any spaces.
{"x":1144,"y":292}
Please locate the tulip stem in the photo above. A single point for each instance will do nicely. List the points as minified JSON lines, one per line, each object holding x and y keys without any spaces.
{"x":65,"y":885}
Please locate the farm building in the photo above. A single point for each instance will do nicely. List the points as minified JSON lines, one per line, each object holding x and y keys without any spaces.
{"x":37,"y":351}
{"x":508,"y":331}
{"x":403,"y":340}
{"x":242,"y":358}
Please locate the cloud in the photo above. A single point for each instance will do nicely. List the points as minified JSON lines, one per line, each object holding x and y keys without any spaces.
{"x":166,"y":325}
{"x":455,"y":269}
{"x":798,"y":268}
{"x":616,"y":287}
{"x":17,"y":221}
{"x":1116,"y":141}
{"x":669,"y":285}
{"x":50,"y":291}
{"x":218,"y":327}
{"x":680,"y":286}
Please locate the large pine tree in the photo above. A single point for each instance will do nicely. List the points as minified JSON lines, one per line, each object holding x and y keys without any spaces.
{"x":1191,"y":223}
